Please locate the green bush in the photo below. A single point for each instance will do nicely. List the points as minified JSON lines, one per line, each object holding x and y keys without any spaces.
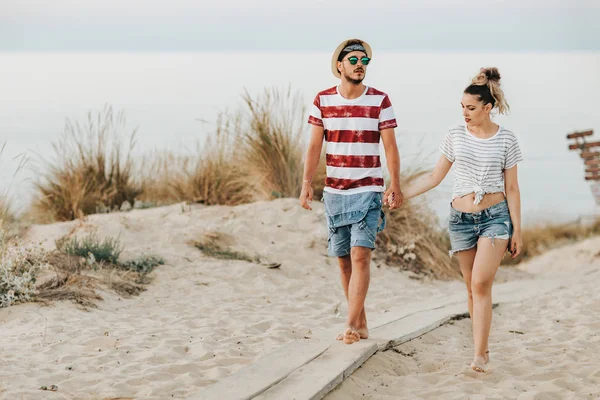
{"x":92,"y":247}
{"x":143,"y":264}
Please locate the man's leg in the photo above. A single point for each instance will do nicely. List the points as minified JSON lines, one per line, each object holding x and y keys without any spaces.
{"x":357,"y":292}
{"x":345,"y":263}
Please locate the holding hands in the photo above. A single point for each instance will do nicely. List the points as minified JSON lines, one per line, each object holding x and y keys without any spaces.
{"x":393,"y":196}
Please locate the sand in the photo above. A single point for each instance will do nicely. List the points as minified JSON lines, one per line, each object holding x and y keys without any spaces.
{"x":201,"y":319}
{"x":544,"y":348}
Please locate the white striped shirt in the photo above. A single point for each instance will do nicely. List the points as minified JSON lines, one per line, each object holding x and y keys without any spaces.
{"x":479,"y":164}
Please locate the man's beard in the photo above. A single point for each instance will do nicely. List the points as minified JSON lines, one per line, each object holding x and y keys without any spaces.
{"x":354,"y":81}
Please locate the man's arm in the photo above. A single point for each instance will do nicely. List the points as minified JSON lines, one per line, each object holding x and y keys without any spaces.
{"x":393,"y":195}
{"x":313,"y":153}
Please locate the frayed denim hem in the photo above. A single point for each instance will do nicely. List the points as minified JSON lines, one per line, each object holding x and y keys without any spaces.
{"x":453,"y":252}
{"x":504,"y":236}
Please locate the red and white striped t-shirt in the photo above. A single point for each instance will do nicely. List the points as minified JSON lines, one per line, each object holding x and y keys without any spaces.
{"x":352,"y":132}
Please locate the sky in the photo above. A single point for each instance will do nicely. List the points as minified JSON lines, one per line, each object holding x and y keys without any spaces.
{"x":309,"y":25}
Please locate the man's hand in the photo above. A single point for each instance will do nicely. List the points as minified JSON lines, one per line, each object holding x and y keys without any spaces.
{"x":393,"y":196}
{"x":306,"y":196}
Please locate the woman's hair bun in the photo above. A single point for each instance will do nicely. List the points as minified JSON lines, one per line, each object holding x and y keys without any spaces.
{"x":492,"y":74}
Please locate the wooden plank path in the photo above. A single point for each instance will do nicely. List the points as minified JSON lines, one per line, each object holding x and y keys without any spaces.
{"x":311,"y":368}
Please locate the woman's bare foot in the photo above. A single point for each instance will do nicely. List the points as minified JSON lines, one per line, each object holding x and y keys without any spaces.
{"x":351,"y":336}
{"x":363,"y":332}
{"x":478,"y":364}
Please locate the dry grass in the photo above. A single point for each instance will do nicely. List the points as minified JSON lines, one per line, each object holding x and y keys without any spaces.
{"x":11,"y":225}
{"x":82,"y":266}
{"x":74,"y":287}
{"x":77,"y":280}
{"x":412,"y":240}
{"x":216,"y":245}
{"x":537,"y":240}
{"x":212,"y":175}
{"x":271,"y":143}
{"x":92,"y":170}
{"x":255,"y":154}
{"x":7,"y":218}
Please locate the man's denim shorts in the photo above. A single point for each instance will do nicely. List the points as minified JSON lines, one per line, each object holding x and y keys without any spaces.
{"x":352,"y":220}
{"x":466,"y":228}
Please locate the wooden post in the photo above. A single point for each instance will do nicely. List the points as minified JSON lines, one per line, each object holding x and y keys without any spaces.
{"x":590,"y":154}
{"x":596,"y":191}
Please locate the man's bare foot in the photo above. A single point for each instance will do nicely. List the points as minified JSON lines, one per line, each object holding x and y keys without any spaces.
{"x":351,"y":336}
{"x":478,"y":364}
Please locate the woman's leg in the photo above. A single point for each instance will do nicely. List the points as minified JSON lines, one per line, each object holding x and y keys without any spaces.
{"x":465,"y":261}
{"x":487,"y":260}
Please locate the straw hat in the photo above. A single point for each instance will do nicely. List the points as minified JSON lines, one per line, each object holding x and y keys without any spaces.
{"x":338,"y":50}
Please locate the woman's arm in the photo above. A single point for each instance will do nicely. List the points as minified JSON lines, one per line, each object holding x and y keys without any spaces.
{"x":513,"y":198}
{"x":430,"y":180}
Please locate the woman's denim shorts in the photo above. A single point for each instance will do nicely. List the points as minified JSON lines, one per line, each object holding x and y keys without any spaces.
{"x":352,"y":220}
{"x":466,"y":228}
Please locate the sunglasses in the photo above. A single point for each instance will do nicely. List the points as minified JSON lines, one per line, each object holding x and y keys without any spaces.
{"x":363,"y":60}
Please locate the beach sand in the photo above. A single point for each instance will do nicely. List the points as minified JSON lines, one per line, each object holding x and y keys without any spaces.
{"x":201,"y":319}
{"x":545,"y":348}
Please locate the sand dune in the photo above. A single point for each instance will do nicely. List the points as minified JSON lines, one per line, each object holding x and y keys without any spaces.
{"x":201,"y":319}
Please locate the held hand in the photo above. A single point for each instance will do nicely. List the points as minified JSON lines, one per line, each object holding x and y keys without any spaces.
{"x":393,"y":197}
{"x":306,"y":196}
{"x":516,"y":245}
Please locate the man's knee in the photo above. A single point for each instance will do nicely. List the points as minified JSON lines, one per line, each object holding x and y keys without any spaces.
{"x":345,"y":267}
{"x":361,"y":256}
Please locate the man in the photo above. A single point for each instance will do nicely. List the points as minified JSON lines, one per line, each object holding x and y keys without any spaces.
{"x":352,"y":118}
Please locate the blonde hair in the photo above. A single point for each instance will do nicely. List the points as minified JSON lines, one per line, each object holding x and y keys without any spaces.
{"x":486,"y":85}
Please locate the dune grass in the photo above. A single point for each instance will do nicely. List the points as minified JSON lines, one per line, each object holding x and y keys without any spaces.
{"x":271,"y":143}
{"x":255,"y":153}
{"x":412,"y":239}
{"x":92,"y":171}
{"x":210,"y":175}
{"x":541,"y":238}
{"x":216,"y":245}
{"x":83,"y":265}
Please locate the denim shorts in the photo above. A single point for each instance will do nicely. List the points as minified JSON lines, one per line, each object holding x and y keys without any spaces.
{"x":466,"y":228}
{"x":352,"y":220}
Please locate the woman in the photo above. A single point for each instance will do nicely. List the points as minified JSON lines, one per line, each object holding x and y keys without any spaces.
{"x":485,"y":212}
